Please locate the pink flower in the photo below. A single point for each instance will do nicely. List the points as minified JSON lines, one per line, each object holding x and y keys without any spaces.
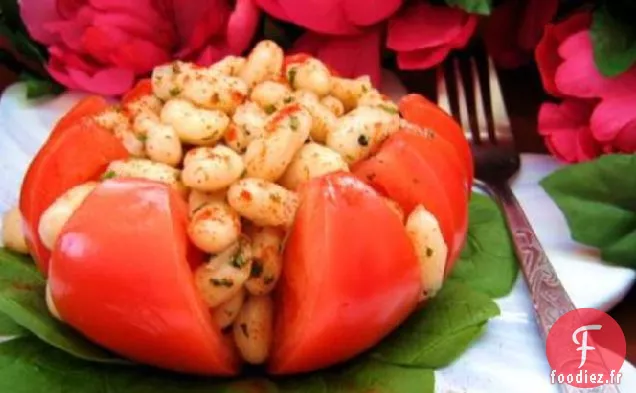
{"x":102,"y":46}
{"x":350,"y":56}
{"x":597,"y":115}
{"x":566,"y":130}
{"x":337,"y":17}
{"x":423,"y":34}
{"x":514,"y":28}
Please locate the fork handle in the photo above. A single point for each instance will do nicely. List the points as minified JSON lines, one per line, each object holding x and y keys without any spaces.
{"x":549,"y":298}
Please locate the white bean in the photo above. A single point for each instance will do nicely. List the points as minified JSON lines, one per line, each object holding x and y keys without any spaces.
{"x":163,"y":144}
{"x":253,"y":329}
{"x":270,"y":95}
{"x":214,"y":227}
{"x":426,"y":237}
{"x":55,"y":216}
{"x":119,"y":124}
{"x":262,"y":202}
{"x":248,"y":123}
{"x":224,"y":275}
{"x":145,"y":169}
{"x":268,"y":260}
{"x":148,"y":104}
{"x":349,"y":91}
{"x":12,"y":232}
{"x":214,"y":90}
{"x":194,"y":125}
{"x":311,"y":75}
{"x":197,"y":199}
{"x":312,"y":160}
{"x":168,"y":79}
{"x":226,"y":313}
{"x":285,"y":132}
{"x":50,"y":304}
{"x":333,"y":104}
{"x":229,"y":65}
{"x":323,"y":120}
{"x":264,"y":62}
{"x":358,"y":132}
{"x":212,"y":168}
{"x":376,"y":99}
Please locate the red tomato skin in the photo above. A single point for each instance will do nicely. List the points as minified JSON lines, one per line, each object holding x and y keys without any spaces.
{"x":78,"y":154}
{"x":125,"y":283}
{"x":350,"y":276}
{"x":141,"y":89}
{"x":442,"y":159}
{"x":418,"y":110}
{"x":86,"y":107}
{"x":399,"y":172}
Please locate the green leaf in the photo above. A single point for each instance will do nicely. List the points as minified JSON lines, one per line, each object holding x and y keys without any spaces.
{"x":482,"y":7}
{"x":614,"y":42}
{"x":439,"y":333}
{"x":598,"y":199}
{"x":22,"y":299}
{"x":9,"y":328}
{"x":29,"y":366}
{"x":37,"y":87}
{"x":488,"y":262}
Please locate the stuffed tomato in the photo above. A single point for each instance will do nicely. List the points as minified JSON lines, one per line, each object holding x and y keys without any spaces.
{"x":262,"y":210}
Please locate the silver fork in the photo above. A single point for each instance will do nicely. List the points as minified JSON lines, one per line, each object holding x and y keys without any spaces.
{"x":496,"y":162}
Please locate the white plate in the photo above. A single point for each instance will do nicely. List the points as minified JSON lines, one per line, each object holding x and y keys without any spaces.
{"x":511,"y":355}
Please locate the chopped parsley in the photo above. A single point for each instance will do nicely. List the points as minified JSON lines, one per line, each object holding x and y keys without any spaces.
{"x":269,"y":109}
{"x":294,"y":123}
{"x":288,"y":99}
{"x":244,"y":173}
{"x":268,"y":279}
{"x":238,"y":261}
{"x":257,"y":269}
{"x":389,"y":109}
{"x":363,"y":140}
{"x":365,"y":89}
{"x":109,"y":175}
{"x":291,"y":77}
{"x":142,"y":137}
{"x":275,"y":198}
{"x":429,"y":252}
{"x":175,"y":91}
{"x":222,"y":282}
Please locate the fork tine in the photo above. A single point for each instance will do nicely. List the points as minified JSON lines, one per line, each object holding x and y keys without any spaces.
{"x":500,"y":117}
{"x":462,"y":100}
{"x":443,"y":100}
{"x":480,"y":108}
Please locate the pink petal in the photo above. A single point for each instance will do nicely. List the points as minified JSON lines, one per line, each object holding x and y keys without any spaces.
{"x":626,"y":140}
{"x":149,"y":25}
{"x":422,"y":25}
{"x":535,"y":15}
{"x":210,"y":55}
{"x":579,"y":77}
{"x":612,"y":116}
{"x":422,"y":58}
{"x":242,"y":25}
{"x":350,"y":56}
{"x":36,"y":14}
{"x":109,"y":81}
{"x":273,"y":8}
{"x":466,"y":33}
{"x":369,"y":12}
{"x":322,"y":16}
{"x":139,"y":56}
{"x":68,"y":8}
{"x":197,"y":20}
{"x":566,"y":130}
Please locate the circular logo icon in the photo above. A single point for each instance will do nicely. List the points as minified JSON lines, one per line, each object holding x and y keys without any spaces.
{"x":586,"y":348}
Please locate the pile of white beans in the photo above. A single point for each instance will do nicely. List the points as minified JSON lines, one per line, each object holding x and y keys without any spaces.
{"x":237,"y":139}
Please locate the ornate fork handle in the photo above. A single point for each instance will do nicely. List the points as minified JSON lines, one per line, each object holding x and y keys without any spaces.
{"x":549,"y":298}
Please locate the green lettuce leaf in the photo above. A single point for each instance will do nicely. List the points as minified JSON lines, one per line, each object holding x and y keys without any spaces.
{"x":440,"y":332}
{"x":488,"y":262}
{"x":598,"y":199}
{"x":22,"y":299}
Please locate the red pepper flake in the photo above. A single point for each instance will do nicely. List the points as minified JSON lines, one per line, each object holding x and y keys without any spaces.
{"x":230,"y":135}
{"x":238,"y":97}
{"x":280,"y":116}
{"x":246,"y":196}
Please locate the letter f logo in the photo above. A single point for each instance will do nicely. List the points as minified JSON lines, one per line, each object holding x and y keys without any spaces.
{"x":584,"y":347}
